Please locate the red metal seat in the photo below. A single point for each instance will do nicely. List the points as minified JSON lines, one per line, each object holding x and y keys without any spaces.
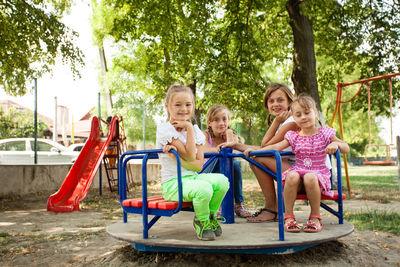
{"x":323,"y":197}
{"x":155,"y":202}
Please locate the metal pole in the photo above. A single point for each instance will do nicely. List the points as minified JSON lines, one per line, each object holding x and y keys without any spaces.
{"x":226,"y":168}
{"x":144,"y":126}
{"x":99,"y":115}
{"x":35,"y":122}
{"x":391,"y":112}
{"x":55,"y":134}
{"x":398,"y":155}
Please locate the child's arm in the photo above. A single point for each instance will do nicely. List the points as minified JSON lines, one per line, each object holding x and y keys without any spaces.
{"x":237,"y":146}
{"x":195,"y":165}
{"x":207,"y":147}
{"x":231,"y":137}
{"x":274,"y":126}
{"x":337,"y":144}
{"x":291,"y":126}
{"x":186,"y":151}
{"x":278,"y":146}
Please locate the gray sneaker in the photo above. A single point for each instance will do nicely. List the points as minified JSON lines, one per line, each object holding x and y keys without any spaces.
{"x":215,"y":225}
{"x":203,"y":229}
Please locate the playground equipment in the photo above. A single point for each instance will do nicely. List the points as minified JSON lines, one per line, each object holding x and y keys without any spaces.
{"x":370,"y":144}
{"x":176,"y":233}
{"x":80,"y":177}
{"x":338,"y":111}
{"x":110,"y":160}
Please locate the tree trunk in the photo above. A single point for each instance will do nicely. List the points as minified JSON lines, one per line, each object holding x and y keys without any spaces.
{"x":304,"y":75}
{"x":107,"y":92}
{"x":197,"y":112}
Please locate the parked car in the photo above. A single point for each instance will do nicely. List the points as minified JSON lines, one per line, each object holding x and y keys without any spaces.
{"x":76,"y":147}
{"x":21,"y":151}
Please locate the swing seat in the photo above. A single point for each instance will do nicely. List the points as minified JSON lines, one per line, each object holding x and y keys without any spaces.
{"x":380,"y":163}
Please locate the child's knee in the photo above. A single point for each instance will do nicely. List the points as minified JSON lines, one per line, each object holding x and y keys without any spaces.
{"x":310,"y":179}
{"x":292,"y":178}
{"x":203,"y":192}
{"x":222,"y":182}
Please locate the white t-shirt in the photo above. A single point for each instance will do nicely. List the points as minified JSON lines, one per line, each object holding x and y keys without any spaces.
{"x":165,"y":134}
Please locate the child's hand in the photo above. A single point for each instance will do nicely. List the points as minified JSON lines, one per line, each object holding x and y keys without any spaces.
{"x":167,"y":148}
{"x":226,"y":144}
{"x":229,"y":135}
{"x":283,"y":116}
{"x":181,"y":125}
{"x":331,"y":148}
{"x":247,"y":151}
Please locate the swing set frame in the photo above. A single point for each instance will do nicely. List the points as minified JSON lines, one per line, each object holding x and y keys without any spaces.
{"x":338,"y":111}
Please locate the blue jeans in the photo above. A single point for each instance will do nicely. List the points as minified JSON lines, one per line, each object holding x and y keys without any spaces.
{"x":237,"y":180}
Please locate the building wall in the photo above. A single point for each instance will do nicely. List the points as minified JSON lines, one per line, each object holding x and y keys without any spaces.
{"x":19,"y":180}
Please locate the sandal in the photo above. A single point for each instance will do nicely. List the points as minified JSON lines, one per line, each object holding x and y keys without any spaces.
{"x":312,"y":227}
{"x":292,"y":225}
{"x":255,"y":217}
{"x":241,"y":211}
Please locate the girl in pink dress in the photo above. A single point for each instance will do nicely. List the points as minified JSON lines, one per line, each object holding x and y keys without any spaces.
{"x":310,"y":174}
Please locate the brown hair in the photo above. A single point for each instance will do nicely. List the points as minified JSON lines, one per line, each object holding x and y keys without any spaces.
{"x":175,"y":89}
{"x":212,"y":112}
{"x":272,"y":88}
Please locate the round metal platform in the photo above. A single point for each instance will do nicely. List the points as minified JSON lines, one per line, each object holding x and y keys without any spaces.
{"x":176,"y":234}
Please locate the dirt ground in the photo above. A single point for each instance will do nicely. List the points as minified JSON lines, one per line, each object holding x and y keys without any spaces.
{"x":32,"y":236}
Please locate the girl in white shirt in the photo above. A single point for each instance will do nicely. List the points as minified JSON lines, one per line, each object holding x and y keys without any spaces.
{"x":206,"y":191}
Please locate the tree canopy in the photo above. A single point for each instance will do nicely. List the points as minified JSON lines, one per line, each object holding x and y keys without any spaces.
{"x":31,"y":37}
{"x":17,"y":124}
{"x":229,"y":51}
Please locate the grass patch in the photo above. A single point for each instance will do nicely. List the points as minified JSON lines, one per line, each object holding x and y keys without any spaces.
{"x":376,"y":221}
{"x":3,"y":234}
{"x":380,"y":183}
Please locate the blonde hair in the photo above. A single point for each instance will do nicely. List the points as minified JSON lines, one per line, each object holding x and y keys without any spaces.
{"x":212,"y":112}
{"x":176,"y":89}
{"x":272,"y":88}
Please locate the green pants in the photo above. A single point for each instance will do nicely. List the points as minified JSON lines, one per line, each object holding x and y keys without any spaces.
{"x":205,"y":190}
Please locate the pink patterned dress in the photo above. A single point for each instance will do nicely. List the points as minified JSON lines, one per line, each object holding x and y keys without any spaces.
{"x":311,"y":157}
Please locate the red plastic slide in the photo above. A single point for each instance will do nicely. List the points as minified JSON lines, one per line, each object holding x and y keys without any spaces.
{"x":77,"y":183}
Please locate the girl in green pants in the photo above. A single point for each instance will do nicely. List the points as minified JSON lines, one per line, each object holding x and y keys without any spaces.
{"x":206,"y":191}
